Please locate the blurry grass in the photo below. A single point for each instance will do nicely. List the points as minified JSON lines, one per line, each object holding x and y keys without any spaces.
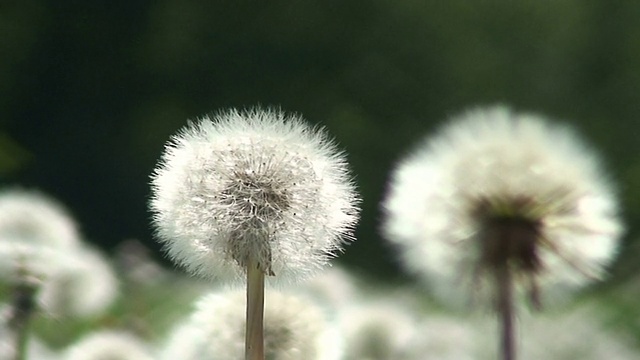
{"x":620,"y":306}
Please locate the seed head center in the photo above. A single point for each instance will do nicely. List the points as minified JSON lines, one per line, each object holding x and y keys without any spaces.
{"x":510,"y":234}
{"x":258,"y":202}
{"x":510,"y":240}
{"x":257,"y":197}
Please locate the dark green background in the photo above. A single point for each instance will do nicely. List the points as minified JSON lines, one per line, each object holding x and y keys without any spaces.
{"x":91,"y":90}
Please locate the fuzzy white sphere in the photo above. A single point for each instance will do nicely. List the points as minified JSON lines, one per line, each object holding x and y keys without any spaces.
{"x":500,"y":158}
{"x":86,"y":286}
{"x":294,"y":328}
{"x":32,"y":218}
{"x":108,"y":344}
{"x":380,"y":330}
{"x":39,"y":239}
{"x":256,"y":185}
{"x":36,"y":234}
{"x":446,"y":338}
{"x":576,"y":334}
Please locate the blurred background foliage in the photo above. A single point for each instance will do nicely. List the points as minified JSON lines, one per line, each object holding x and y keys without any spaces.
{"x":91,"y":90}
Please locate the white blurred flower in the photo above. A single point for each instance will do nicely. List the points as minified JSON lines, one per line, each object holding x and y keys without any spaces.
{"x":72,"y":282}
{"x":334,"y":286}
{"x":38,"y":238}
{"x":36,"y":233}
{"x":573,"y":335}
{"x":256,"y":185}
{"x":441,"y":337}
{"x":380,"y":330}
{"x":491,"y":168}
{"x":41,"y":262}
{"x":35,"y":219}
{"x":294,"y":328}
{"x":87,"y":286}
{"x":38,"y":350}
{"x":112,"y":345}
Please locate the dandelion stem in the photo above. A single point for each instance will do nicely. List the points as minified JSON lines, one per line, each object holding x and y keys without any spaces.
{"x":254,"y":336}
{"x":23,"y":307}
{"x":504,"y":287}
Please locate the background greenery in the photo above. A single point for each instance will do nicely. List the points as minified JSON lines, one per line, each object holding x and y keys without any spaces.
{"x":91,"y":90}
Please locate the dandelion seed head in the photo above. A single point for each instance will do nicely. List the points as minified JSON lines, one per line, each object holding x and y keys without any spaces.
{"x":30,"y":217}
{"x":378,"y":330}
{"x":335,"y":287}
{"x":253,"y":185}
{"x":39,"y":240}
{"x":36,"y":234}
{"x":294,"y":328}
{"x":75,"y":282}
{"x":495,"y":169}
{"x":108,"y":344}
{"x":36,"y":261}
{"x":85,"y":286}
{"x":576,"y":334}
{"x":445,"y":338}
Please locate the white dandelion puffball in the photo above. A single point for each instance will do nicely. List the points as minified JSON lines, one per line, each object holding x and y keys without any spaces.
{"x":516,"y":172}
{"x":574,"y":335}
{"x":36,"y":235}
{"x":335,"y":287}
{"x":256,"y":185}
{"x":294,"y":328}
{"x":41,"y":262}
{"x":446,"y":338}
{"x":35,"y":219}
{"x":75,"y":282}
{"x":86,"y":286}
{"x":38,"y":238}
{"x":108,"y":344}
{"x":378,"y":330}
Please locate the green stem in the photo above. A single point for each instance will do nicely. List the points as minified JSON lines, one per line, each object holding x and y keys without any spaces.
{"x":254,"y":336}
{"x":21,"y":346}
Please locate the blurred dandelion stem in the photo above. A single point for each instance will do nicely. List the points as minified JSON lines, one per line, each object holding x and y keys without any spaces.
{"x":23,"y":306}
{"x":504,"y":286}
{"x":254,"y":336}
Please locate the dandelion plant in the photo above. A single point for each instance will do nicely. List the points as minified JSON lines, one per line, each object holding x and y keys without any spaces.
{"x":251,"y":194}
{"x":506,"y":200}
{"x":41,"y":254}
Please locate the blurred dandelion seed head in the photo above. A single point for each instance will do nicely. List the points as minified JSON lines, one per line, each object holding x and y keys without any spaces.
{"x":36,"y":234}
{"x":39,"y":239}
{"x":382,"y":329}
{"x":294,"y":328}
{"x":86,"y":287}
{"x":496,"y":186}
{"x":255,"y":185}
{"x":31,"y":217}
{"x":108,"y":344}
